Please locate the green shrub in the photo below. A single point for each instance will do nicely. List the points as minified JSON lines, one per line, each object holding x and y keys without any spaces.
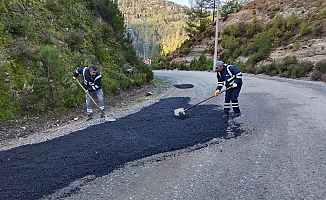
{"x":231,"y":30}
{"x":210,"y":32}
{"x":70,"y":92}
{"x":41,"y":98}
{"x":185,"y":49}
{"x":274,"y":33}
{"x":254,"y":28}
{"x":318,"y":3}
{"x":307,"y":66}
{"x":285,"y":67}
{"x":250,"y":69}
{"x":8,"y":106}
{"x":28,"y":25}
{"x":111,"y":84}
{"x":209,"y":65}
{"x":149,"y":73}
{"x":123,"y":81}
{"x":69,"y":102}
{"x":50,"y":57}
{"x":278,"y":21}
{"x":182,"y":67}
{"x":297,"y":72}
{"x":321,"y":66}
{"x":287,"y":36}
{"x":292,"y":22}
{"x":267,"y":69}
{"x":8,"y":109}
{"x":21,"y":25}
{"x":254,"y":59}
{"x":305,"y":28}
{"x":250,"y":49}
{"x":263,"y":48}
{"x":201,"y":64}
{"x":241,"y":66}
{"x":324,"y":13}
{"x":288,"y":60}
{"x":230,"y":43}
{"x":138,"y":80}
{"x":53,"y":6}
{"x":318,"y":30}
{"x":3,"y":8}
{"x":14,"y":25}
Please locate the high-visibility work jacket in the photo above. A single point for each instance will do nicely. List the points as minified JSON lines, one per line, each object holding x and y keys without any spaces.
{"x":230,"y":74}
{"x":90,"y":83}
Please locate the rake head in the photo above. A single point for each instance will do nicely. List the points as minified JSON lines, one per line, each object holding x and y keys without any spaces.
{"x":179,"y":112}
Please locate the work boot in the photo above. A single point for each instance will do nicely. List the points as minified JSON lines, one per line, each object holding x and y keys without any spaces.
{"x":236,"y":115}
{"x":102,"y":114}
{"x":89,"y":117}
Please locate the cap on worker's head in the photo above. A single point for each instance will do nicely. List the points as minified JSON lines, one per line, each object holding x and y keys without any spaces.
{"x":94,"y":67}
{"x":217,"y":64}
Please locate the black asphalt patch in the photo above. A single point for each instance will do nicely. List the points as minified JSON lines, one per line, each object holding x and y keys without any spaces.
{"x":184,"y":86}
{"x":37,"y":170}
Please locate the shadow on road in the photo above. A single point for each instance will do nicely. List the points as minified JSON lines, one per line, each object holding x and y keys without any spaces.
{"x":32,"y":171}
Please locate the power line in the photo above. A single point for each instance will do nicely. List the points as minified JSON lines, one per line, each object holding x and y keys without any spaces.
{"x":145,"y":45}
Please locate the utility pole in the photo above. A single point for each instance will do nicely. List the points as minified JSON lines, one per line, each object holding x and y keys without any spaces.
{"x":145,"y":45}
{"x":216,"y":31}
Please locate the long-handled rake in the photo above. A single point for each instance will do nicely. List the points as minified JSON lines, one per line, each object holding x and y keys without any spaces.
{"x":109,"y":119}
{"x":182,"y":111}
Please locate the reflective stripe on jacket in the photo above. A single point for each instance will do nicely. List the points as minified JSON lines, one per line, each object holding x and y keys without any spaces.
{"x":90,"y":83}
{"x":230,"y":74}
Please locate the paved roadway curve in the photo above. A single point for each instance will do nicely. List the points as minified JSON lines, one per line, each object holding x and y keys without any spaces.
{"x":275,"y":150}
{"x":282,"y":156}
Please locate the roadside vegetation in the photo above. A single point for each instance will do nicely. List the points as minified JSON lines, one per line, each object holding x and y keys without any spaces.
{"x":256,"y":40}
{"x":42,"y":43}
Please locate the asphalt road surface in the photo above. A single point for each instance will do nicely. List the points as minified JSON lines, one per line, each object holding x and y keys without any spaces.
{"x":275,"y":150}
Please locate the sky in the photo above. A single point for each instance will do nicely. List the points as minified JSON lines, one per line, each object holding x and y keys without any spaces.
{"x":182,"y":2}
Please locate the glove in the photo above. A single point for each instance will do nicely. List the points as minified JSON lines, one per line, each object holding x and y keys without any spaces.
{"x":216,"y":93}
{"x":234,"y":85}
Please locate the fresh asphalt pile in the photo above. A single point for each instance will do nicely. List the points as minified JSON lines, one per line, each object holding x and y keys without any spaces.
{"x":37,"y":170}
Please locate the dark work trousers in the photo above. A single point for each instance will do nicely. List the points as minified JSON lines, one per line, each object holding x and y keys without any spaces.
{"x":231,"y":100}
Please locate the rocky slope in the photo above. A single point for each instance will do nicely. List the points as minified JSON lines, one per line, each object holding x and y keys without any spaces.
{"x":309,"y":47}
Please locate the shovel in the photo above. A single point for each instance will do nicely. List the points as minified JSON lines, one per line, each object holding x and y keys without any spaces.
{"x":109,"y":119}
{"x":182,"y":111}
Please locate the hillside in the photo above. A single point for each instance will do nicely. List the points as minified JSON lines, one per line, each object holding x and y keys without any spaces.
{"x":294,"y":29}
{"x":42,"y":43}
{"x":154,"y":24}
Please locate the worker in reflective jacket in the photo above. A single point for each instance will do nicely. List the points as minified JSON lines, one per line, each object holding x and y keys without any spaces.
{"x":92,"y":85}
{"x":229,"y":76}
